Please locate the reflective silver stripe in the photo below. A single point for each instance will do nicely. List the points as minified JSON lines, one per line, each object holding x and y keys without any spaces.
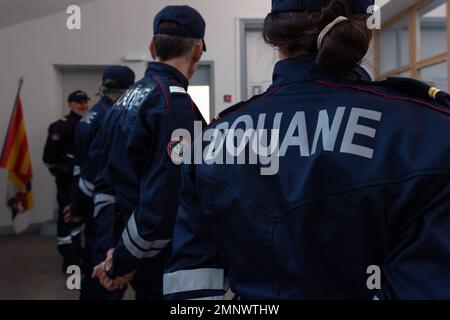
{"x":135,"y":251}
{"x":175,"y":89}
{"x":101,"y":201}
{"x":86,"y":187}
{"x":64,"y":240}
{"x":143,"y":244}
{"x":376,"y":298}
{"x":76,"y":231}
{"x":194,"y":280}
{"x":76,"y":171}
{"x":103,"y":197}
{"x":209,"y":298}
{"x":99,"y":208}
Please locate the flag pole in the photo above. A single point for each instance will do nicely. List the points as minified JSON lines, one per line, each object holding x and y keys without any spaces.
{"x":19,"y":89}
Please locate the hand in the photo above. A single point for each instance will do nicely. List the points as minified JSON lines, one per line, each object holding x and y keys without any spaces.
{"x":68,"y":217}
{"x":67,"y":214}
{"x":100,"y":272}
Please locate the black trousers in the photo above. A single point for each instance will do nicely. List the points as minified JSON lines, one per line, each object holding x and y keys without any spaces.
{"x":68,"y":234}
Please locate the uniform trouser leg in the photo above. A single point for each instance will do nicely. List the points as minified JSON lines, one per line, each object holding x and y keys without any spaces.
{"x":68,"y":234}
{"x":99,"y":244}
{"x":90,"y":288}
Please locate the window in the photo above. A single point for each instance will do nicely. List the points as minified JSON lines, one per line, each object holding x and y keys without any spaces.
{"x":415,"y":43}
{"x":394,"y":44}
{"x":433,"y":27}
{"x":436,"y":75}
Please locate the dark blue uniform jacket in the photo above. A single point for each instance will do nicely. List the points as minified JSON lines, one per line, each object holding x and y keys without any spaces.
{"x":357,"y":207}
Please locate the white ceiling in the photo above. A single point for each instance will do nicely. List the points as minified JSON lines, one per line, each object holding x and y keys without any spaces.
{"x":17,"y":11}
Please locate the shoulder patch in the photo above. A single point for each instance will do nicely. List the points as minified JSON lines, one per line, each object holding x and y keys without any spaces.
{"x":64,"y":119}
{"x":55,"y":137}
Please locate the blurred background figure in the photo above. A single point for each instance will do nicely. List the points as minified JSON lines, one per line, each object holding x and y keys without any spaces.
{"x":58,"y":157}
{"x":115,"y":81}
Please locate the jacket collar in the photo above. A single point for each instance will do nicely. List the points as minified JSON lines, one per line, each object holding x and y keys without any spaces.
{"x":169,"y":72}
{"x":72,"y":115}
{"x":106,"y":100}
{"x":303,"y":68}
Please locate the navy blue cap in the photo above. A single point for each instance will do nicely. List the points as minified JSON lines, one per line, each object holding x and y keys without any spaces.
{"x":359,"y":6}
{"x":189,"y":23}
{"x":118,"y":77}
{"x":78,"y":96}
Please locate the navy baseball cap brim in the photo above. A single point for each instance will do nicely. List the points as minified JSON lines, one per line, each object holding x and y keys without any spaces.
{"x":359,"y":6}
{"x":189,"y":23}
{"x":118,"y":77}
{"x":78,"y":96}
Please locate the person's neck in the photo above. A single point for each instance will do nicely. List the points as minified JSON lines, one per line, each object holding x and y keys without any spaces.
{"x":113,"y":97}
{"x":180,"y":65}
{"x":284,"y":56}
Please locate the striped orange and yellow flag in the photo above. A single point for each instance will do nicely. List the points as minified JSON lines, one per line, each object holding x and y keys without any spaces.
{"x":15,"y":158}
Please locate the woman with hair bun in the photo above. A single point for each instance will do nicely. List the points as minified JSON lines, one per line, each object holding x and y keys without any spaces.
{"x":339,"y":188}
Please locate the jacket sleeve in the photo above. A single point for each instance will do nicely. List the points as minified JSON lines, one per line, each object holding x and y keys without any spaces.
{"x":93,"y":165}
{"x":54,"y":147}
{"x":195,"y":270}
{"x":82,"y":189}
{"x":418,"y":266}
{"x":149,"y":229}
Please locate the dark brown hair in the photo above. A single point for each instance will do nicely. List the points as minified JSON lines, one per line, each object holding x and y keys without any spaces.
{"x":296,"y":33}
{"x":169,"y":47}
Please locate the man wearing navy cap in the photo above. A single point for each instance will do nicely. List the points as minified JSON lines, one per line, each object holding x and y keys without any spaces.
{"x":58,"y":156}
{"x":116,"y":80}
{"x":142,"y":181}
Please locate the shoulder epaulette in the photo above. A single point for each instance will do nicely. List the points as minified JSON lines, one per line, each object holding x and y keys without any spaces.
{"x":236,"y":107}
{"x":416,"y":88}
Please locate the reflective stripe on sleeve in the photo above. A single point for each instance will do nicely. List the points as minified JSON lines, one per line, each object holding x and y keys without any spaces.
{"x":142,"y":243}
{"x":87,"y":187}
{"x":101,"y":201}
{"x":137,"y":252}
{"x":194,"y":280}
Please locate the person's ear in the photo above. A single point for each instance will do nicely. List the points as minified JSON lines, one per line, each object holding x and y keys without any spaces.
{"x":152,"y":49}
{"x":198,"y":52}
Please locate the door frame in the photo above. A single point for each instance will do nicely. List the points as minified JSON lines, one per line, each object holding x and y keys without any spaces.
{"x":246,"y":25}
{"x":212,"y":87}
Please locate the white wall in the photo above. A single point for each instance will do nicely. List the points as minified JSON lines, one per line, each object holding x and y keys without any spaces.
{"x":110,"y":30}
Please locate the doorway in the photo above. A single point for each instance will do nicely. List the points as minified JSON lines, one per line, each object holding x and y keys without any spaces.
{"x":257,"y":59}
{"x":86,"y":78}
{"x":201,"y":89}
